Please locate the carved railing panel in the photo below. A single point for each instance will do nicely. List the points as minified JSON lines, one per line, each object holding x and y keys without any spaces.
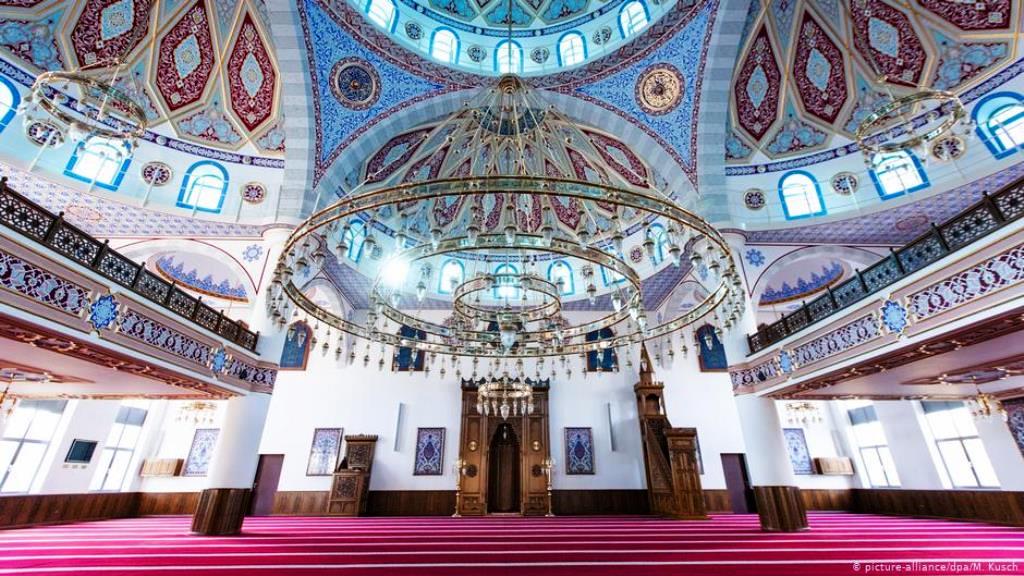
{"x":988,"y":215}
{"x":35,"y":222}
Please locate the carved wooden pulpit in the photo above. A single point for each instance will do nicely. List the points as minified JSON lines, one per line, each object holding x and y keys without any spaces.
{"x":670,"y":454}
{"x":351,"y":485}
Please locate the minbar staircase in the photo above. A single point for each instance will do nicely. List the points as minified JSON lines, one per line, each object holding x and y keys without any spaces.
{"x":670,"y":454}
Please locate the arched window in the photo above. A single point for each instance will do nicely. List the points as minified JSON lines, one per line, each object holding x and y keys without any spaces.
{"x":507,"y":286}
{"x":354,"y":238}
{"x":632,"y":18}
{"x":444,"y":46}
{"x":204,"y":188}
{"x":452,"y":274}
{"x":999,"y":119}
{"x":508,"y":57}
{"x":561,"y":271}
{"x":381,"y":13}
{"x":800,"y":195}
{"x":572,"y":49}
{"x":9,"y":101}
{"x":897,"y":174}
{"x":99,"y":161}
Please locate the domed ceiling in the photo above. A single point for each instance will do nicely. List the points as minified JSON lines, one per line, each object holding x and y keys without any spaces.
{"x":204,"y":70}
{"x":804,"y":80}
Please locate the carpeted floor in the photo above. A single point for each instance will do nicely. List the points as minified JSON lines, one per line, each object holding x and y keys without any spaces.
{"x":845,"y":544}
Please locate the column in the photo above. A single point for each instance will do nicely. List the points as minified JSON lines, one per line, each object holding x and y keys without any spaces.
{"x":911,"y":450}
{"x":779,"y":503}
{"x":271,"y":338}
{"x":225,"y":502}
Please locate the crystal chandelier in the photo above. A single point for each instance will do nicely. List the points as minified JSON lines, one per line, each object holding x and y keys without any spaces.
{"x":803,"y":413}
{"x":85,"y":102}
{"x":516,"y":188}
{"x":197,"y":413}
{"x":985,"y":406}
{"x":504,"y":396}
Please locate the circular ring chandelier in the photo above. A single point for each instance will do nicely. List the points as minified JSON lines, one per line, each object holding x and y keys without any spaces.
{"x":86,"y":105}
{"x":509,"y":117}
{"x":887,"y":130}
{"x":548,"y":308}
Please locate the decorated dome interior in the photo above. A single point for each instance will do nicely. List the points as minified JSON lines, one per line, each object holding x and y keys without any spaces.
{"x":807,"y":72}
{"x":204,"y":71}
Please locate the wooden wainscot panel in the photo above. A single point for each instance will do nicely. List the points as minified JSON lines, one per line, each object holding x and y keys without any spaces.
{"x":411,"y":503}
{"x":164,"y":503}
{"x":584,"y":502}
{"x":822,"y":499}
{"x":36,"y":509}
{"x":717,"y":501}
{"x":300,"y":503}
{"x":983,"y":505}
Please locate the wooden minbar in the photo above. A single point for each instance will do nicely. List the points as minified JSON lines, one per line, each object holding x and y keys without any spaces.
{"x":351,"y":485}
{"x":670,"y":454}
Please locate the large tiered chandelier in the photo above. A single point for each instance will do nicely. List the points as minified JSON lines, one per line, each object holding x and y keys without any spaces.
{"x":514,"y":175}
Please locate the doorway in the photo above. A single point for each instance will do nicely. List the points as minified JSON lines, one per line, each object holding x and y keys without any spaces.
{"x":264,"y":488}
{"x":737,"y":483}
{"x":503,"y":472}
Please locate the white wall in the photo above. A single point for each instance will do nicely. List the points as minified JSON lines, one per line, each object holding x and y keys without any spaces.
{"x":365,"y":401}
{"x":164,"y":436}
{"x":83,"y":420}
{"x":913,"y":453}
{"x":1003,"y":452}
{"x":822,"y":438}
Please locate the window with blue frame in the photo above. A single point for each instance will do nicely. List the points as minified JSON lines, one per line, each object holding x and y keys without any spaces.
{"x":999,"y":120}
{"x":605,"y":360}
{"x":9,"y":101}
{"x":508,"y":57}
{"x":444,"y":46}
{"x":204,"y":188}
{"x":897,"y":174}
{"x":506,"y":282}
{"x":572,"y":49}
{"x":800,"y":195}
{"x":99,"y":161}
{"x":452,"y":274}
{"x":354,"y":238}
{"x":382,"y":13}
{"x":632,"y":18}
{"x":407,"y":358}
{"x":560,"y":271}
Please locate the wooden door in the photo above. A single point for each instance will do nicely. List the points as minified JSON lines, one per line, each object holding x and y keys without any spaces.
{"x":737,"y":482}
{"x":504,"y":470}
{"x":268,"y":474}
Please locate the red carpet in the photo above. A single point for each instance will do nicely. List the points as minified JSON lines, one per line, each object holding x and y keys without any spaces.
{"x":845,"y":544}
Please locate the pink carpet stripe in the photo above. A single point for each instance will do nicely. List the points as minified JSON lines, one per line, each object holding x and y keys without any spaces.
{"x":600,"y":546}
